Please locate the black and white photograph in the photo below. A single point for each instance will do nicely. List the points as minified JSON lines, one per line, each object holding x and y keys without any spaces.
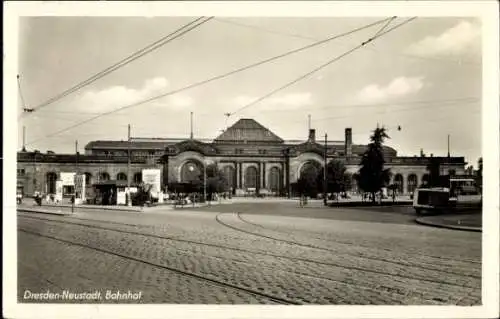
{"x":202,"y":155}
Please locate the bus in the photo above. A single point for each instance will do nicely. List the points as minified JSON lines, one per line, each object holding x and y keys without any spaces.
{"x":461,"y":192}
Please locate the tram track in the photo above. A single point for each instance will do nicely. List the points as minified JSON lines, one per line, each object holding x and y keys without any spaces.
{"x":205,"y":279}
{"x":291,"y":242}
{"x":306,"y":260}
{"x":239,"y":214}
{"x":384,"y":293}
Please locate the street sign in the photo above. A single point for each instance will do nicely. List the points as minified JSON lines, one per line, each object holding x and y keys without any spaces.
{"x":68,"y":179}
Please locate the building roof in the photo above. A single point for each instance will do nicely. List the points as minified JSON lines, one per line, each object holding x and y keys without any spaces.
{"x":248,"y":130}
{"x":124,"y":144}
{"x":328,"y":142}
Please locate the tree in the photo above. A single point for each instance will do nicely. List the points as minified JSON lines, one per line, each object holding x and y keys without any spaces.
{"x":372,"y":176}
{"x":308,"y":183}
{"x":142,"y":195}
{"x":337,"y":177}
{"x":216,"y":181}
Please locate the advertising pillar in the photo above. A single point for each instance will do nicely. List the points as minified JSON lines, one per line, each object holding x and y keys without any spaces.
{"x":153,"y":178}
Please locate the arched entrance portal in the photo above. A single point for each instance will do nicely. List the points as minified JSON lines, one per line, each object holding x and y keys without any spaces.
{"x":309,"y":169}
{"x":309,"y":182}
{"x":192,"y":172}
{"x":251,"y":178}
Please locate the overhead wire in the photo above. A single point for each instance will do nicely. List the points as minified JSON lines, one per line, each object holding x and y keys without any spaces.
{"x":21,"y":92}
{"x":370,"y":105}
{"x":378,"y":50}
{"x":322,"y":66}
{"x":136,"y":55}
{"x":264,"y":29}
{"x":437,"y":104}
{"x":218,"y":77}
{"x":385,"y":26}
{"x":396,"y":111}
{"x":336,"y":106}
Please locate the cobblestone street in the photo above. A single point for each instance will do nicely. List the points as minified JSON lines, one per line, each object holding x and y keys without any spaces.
{"x":187,"y":256}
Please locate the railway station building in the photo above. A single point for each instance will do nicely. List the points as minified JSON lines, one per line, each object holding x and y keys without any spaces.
{"x":252,"y":158}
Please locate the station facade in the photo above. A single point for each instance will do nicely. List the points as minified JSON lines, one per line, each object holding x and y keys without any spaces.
{"x":252,"y":158}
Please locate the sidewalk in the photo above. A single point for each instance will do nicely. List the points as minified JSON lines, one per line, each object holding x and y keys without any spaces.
{"x":353,"y":201}
{"x":40,"y":210}
{"x":51,"y":208}
{"x":115,"y":207}
{"x":464,"y":221}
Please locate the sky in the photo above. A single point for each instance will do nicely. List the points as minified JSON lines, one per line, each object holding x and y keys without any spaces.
{"x":424,"y":77}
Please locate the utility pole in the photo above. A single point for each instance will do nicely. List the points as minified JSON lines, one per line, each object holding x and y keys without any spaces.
{"x":76,"y":155}
{"x":204,"y":181}
{"x":129,"y":198}
{"x":24,"y":139}
{"x":75,"y":179}
{"x":448,"y":146}
{"x":308,"y":122}
{"x":191,"y":135}
{"x":325,"y":192}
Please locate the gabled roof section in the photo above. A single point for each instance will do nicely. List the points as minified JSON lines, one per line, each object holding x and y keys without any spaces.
{"x":195,"y":146}
{"x":247,"y":130}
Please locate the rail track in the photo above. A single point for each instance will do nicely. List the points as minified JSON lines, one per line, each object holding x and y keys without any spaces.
{"x":394,"y":295}
{"x":64,"y":220}
{"x":291,"y":242}
{"x":205,"y":279}
{"x":239,"y":214}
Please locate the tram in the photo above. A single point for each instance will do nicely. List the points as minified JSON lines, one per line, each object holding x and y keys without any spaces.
{"x":460,"y":193}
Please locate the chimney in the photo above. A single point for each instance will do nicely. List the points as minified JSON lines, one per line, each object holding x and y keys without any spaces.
{"x":312,"y":135}
{"x":348,"y":142}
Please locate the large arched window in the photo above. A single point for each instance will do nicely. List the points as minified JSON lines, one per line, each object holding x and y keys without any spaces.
{"x":88,"y":178}
{"x":230,"y":176}
{"x":251,"y":177}
{"x":398,"y":180}
{"x":103,"y":176}
{"x":121,"y":176}
{"x":274,"y":179}
{"x":51,"y":182}
{"x":412,"y":183}
{"x":138,"y":178}
{"x":191,"y":172}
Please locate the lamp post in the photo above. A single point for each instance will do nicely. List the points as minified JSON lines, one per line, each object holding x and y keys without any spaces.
{"x":128,"y":194}
{"x":325,"y":192}
{"x":205,"y":180}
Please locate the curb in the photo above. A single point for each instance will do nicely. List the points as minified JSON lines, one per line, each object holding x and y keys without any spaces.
{"x":453,"y":227}
{"x":39,"y":211}
{"x":97,"y":207}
